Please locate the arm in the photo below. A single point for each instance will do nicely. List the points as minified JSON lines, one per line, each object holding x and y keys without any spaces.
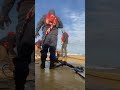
{"x":59,"y":24}
{"x":5,"y":9}
{"x":40,"y":23}
{"x":7,"y":5}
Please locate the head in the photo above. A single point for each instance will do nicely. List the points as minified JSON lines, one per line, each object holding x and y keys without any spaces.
{"x":52,"y":11}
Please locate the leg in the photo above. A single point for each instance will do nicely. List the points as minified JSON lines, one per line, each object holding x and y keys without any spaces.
{"x":22,"y":66}
{"x":52,"y":56}
{"x":53,"y":44}
{"x":65,"y":48}
{"x":21,"y":74}
{"x":62,"y":50}
{"x":44,"y":55}
{"x":25,"y":47}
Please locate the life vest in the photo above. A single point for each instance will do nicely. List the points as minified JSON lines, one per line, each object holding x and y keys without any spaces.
{"x":63,"y":37}
{"x":51,"y":19}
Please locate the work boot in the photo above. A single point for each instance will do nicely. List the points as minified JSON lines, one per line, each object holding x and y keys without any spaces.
{"x":42,"y":66}
{"x":20,"y":74}
{"x":52,"y":65}
{"x":56,"y":60}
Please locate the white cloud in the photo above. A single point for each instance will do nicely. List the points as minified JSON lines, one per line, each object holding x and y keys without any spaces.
{"x":75,"y":29}
{"x":77,"y":19}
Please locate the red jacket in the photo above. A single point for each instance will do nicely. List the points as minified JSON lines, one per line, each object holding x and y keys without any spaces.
{"x":64,"y":37}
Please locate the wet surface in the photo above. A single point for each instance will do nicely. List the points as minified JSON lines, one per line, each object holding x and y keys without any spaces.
{"x":101,"y":78}
{"x":62,"y":78}
{"x":96,"y":83}
{"x":116,"y":71}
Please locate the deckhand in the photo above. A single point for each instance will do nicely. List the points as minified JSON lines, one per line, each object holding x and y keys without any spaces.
{"x":50,"y":23}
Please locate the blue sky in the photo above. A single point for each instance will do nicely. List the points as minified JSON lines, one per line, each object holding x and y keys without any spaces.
{"x":72,"y":14}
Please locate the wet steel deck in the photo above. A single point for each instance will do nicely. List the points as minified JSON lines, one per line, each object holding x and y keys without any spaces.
{"x":61,"y":78}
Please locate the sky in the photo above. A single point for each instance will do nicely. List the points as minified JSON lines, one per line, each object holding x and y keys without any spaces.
{"x":72,"y":14}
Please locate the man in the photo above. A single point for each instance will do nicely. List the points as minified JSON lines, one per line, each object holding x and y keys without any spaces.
{"x":50,"y":23}
{"x":24,"y":37}
{"x":64,"y":41}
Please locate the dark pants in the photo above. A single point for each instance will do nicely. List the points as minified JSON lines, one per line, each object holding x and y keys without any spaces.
{"x":64,"y":49}
{"x":22,"y":66}
{"x":21,"y":73}
{"x":25,"y":46}
{"x":49,"y":43}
